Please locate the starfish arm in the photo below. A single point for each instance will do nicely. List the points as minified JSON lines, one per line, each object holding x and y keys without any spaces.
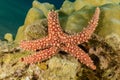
{"x":35,"y":44}
{"x":80,"y":54}
{"x":53,"y":23}
{"x":87,"y":32}
{"x":40,"y":56}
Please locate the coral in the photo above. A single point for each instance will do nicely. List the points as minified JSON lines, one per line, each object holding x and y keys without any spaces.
{"x":113,"y":40}
{"x":67,"y":7}
{"x":109,"y":23}
{"x":36,"y":30}
{"x":8,"y":37}
{"x":11,"y":68}
{"x":73,"y":19}
{"x":20,"y":34}
{"x":36,"y":13}
{"x":6,"y":46}
{"x":62,"y":67}
{"x":33,"y":15}
{"x":45,"y":7}
{"x":78,"y":19}
{"x":79,"y":4}
{"x":106,"y":58}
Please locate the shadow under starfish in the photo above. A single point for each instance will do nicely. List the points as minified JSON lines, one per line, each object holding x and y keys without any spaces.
{"x":57,"y":41}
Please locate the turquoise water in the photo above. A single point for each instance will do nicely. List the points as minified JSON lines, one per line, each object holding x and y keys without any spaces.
{"x":13,"y":12}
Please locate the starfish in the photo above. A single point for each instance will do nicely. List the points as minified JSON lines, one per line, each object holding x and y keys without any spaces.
{"x":57,"y":40}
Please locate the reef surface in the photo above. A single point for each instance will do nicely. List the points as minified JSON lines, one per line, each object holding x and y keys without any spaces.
{"x":103,"y":47}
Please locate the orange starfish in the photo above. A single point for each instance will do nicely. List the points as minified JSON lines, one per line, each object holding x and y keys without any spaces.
{"x":57,"y":40}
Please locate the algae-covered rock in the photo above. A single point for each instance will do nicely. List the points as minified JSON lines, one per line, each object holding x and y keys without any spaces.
{"x":106,"y":58}
{"x":20,"y":34}
{"x":10,"y":67}
{"x":67,"y":7}
{"x":45,"y":7}
{"x":113,"y":39}
{"x":110,"y":21}
{"x":75,"y":21}
{"x":37,"y":12}
{"x":110,"y":24}
{"x":6,"y":46}
{"x":59,"y":67}
{"x":36,"y":30}
{"x":79,"y":19}
{"x":33,"y":15}
{"x":79,"y":4}
{"x":8,"y":37}
{"x":62,"y":67}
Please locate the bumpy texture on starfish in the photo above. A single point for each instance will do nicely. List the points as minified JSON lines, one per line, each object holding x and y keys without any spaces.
{"x":57,"y":40}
